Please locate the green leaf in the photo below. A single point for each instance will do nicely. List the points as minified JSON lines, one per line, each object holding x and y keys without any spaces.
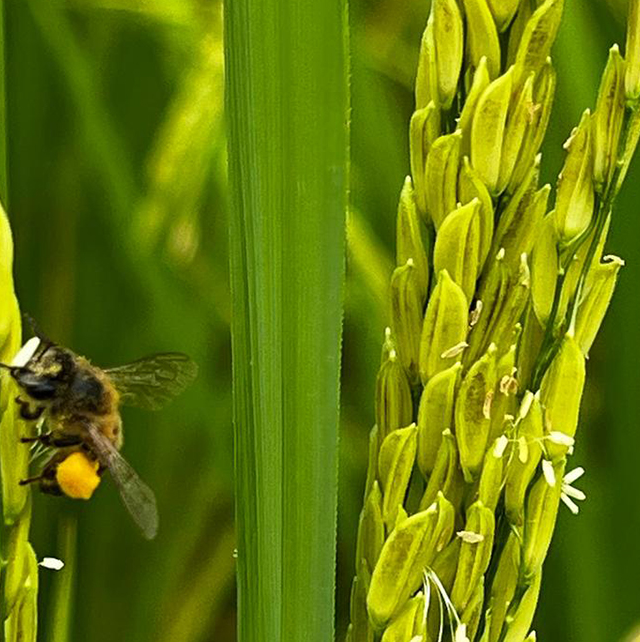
{"x":287,"y":105}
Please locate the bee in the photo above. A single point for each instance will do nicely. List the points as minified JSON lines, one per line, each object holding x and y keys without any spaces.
{"x":80,"y":405}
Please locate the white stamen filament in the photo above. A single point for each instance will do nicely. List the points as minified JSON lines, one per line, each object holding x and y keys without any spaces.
{"x":573,"y":475}
{"x":548,"y":472}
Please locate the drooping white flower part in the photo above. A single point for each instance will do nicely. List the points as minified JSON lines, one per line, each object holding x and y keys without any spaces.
{"x":458,"y":629}
{"x":569,"y":493}
{"x":52,"y":563}
{"x":548,"y":472}
{"x":26,"y":352}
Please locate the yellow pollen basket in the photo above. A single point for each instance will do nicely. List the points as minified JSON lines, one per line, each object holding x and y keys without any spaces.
{"x":77,"y":476}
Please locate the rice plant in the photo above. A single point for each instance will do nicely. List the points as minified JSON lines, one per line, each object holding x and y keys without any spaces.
{"x":113,"y":174}
{"x":497,"y":297}
{"x":19,"y":578}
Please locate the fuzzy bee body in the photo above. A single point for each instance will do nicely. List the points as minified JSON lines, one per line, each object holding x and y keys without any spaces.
{"x":80,"y":404}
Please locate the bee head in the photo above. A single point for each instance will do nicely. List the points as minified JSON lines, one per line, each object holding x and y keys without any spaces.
{"x":37,"y":386}
{"x":47,"y":372}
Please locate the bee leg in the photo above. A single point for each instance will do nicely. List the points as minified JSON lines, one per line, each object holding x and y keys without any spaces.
{"x":63,"y":441}
{"x":26,"y":412}
{"x":44,"y":439}
{"x":29,"y":480}
{"x":52,"y":440}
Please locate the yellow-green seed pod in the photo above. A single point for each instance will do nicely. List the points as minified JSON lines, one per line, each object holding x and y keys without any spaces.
{"x":520,"y":616}
{"x":22,"y":621}
{"x":445,"y":563}
{"x":519,"y":222}
{"x":488,"y":128}
{"x":493,"y":287}
{"x":504,"y":395}
{"x":401,"y":516}
{"x":473,"y":612}
{"x":499,"y":320}
{"x":372,"y":461}
{"x":441,"y":177}
{"x":507,"y":317}
{"x":544,"y":93}
{"x":475,"y":553}
{"x":632,"y":52}
{"x":457,"y":247}
{"x":473,"y":413}
{"x":607,"y":120}
{"x":388,"y":345}
{"x":492,"y":476}
{"x":18,"y":550}
{"x":449,"y":38}
{"x":503,"y":12}
{"x":370,"y":530}
{"x":427,"y":74}
{"x":600,"y":286}
{"x":394,"y":406}
{"x":544,"y":269}
{"x":470,"y":187}
{"x":435,"y":414}
{"x":446,"y":477}
{"x":408,"y":623}
{"x":524,"y":13}
{"x":445,"y":326}
{"x":480,"y":82}
{"x":517,"y":127}
{"x":529,"y":348}
{"x":395,"y":462}
{"x":561,"y":393}
{"x":421,"y":136}
{"x":503,"y":587}
{"x":540,"y":519}
{"x":409,"y":243}
{"x":577,"y":265}
{"x":488,"y":616}
{"x":575,"y":198}
{"x":538,"y":37}
{"x":527,"y":455}
{"x":406,"y":316}
{"x":14,"y":455}
{"x":10,"y":314}
{"x":482,"y":36}
{"x":410,"y":549}
{"x":360,"y":628}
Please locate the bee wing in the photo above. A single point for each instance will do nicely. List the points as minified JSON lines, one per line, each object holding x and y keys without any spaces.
{"x":153,"y":381}
{"x":136,"y":495}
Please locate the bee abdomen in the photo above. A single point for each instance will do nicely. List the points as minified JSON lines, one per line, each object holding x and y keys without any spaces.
{"x":111,"y":428}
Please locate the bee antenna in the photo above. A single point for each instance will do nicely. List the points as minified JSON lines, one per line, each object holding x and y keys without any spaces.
{"x":29,"y":480}
{"x":35,"y":328}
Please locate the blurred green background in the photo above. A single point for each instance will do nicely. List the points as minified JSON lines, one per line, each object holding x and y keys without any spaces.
{"x":119,"y":208}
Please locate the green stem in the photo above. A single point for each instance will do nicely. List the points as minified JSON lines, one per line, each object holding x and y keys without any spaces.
{"x":549,"y":339}
{"x":603,"y":207}
{"x":601,"y":219}
{"x":287,"y":99}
